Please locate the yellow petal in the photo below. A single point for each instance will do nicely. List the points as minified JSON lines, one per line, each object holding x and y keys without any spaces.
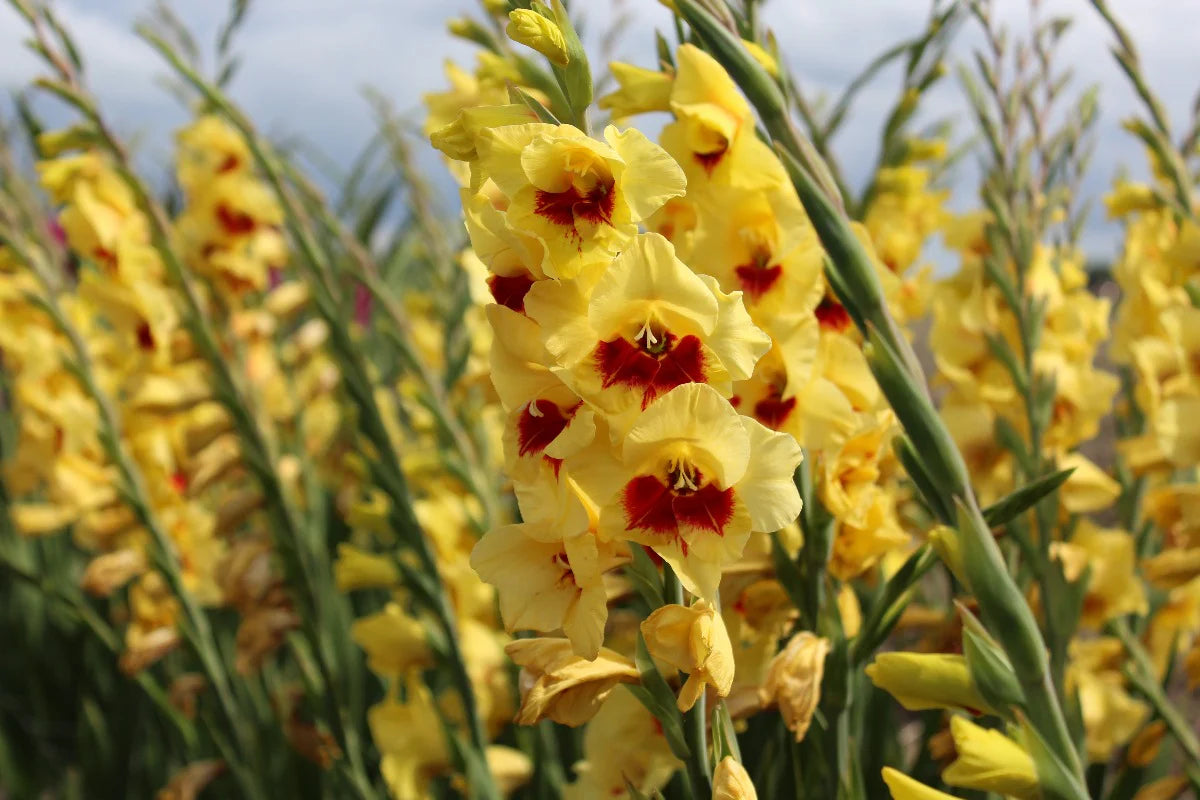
{"x":903,"y":787}
{"x":989,"y":761}
{"x":651,"y":176}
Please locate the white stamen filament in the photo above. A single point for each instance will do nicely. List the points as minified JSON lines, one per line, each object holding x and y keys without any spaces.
{"x":648,"y":333}
{"x":684,"y":479}
{"x":534,"y":411}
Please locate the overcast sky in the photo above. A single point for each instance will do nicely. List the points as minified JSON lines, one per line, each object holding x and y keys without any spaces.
{"x":304,"y":62}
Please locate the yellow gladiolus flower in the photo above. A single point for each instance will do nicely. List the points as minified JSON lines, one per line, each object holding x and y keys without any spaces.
{"x":713,"y":137}
{"x":651,"y":325}
{"x":511,"y":768}
{"x":1088,"y":488}
{"x":547,"y":581}
{"x":1113,"y":588}
{"x":1175,"y":509}
{"x":580,"y":197}
{"x":208,"y":147}
{"x":459,"y":139}
{"x":695,"y":479}
{"x":623,"y":742}
{"x":1172,"y":567}
{"x":989,"y":761}
{"x":640,"y":91}
{"x":760,"y":241}
{"x":1111,"y":716}
{"x":409,"y":739}
{"x":1127,"y":198}
{"x":1178,"y":434}
{"x":394,"y":641}
{"x":466,"y":91}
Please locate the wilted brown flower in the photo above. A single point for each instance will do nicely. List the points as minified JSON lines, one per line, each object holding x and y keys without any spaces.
{"x":559,"y":685}
{"x":794,"y":680}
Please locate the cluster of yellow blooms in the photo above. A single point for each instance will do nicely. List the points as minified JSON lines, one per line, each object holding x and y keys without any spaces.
{"x":1157,"y":338}
{"x":969,"y":316}
{"x":617,"y":363}
{"x":968,"y":310}
{"x":117,"y":298}
{"x":657,"y":385}
{"x":603,"y":337}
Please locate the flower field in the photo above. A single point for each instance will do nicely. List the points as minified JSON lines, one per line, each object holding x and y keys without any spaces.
{"x":638,"y":452}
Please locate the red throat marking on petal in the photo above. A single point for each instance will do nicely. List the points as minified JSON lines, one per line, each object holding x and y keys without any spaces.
{"x":564,"y":208}
{"x":707,"y":508}
{"x":651,"y":505}
{"x":540,"y":424}
{"x":234,"y":223}
{"x":757,"y":281}
{"x":832,"y":315}
{"x":773,"y":411}
{"x":510,"y":290}
{"x":710,"y":160}
{"x":145,"y":336}
{"x":622,"y":363}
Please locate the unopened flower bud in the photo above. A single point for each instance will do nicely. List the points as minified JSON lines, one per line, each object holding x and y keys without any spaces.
{"x":921,"y":681}
{"x":732,"y":782}
{"x":531,"y":29}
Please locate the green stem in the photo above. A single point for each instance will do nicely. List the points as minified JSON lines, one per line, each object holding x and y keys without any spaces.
{"x":695,"y":727}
